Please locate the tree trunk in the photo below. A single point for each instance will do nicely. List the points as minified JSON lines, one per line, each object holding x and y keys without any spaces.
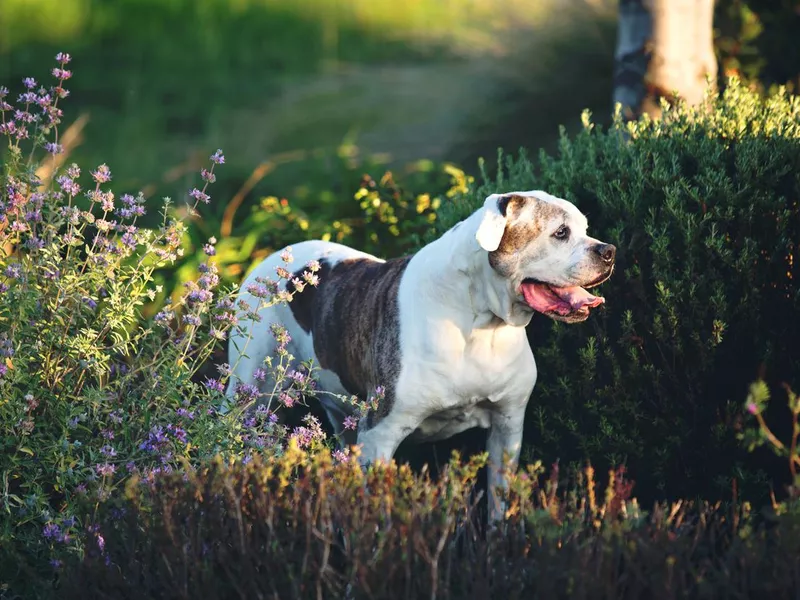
{"x":664,"y":48}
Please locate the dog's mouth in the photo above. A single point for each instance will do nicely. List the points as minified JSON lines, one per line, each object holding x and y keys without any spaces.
{"x":569,"y":304}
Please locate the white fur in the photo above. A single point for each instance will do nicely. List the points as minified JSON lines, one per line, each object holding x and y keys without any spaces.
{"x":466,"y":360}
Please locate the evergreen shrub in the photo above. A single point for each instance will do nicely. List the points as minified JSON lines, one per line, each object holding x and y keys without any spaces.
{"x":703,"y":208}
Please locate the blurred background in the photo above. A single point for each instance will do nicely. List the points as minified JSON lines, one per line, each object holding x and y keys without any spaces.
{"x":308,"y":96}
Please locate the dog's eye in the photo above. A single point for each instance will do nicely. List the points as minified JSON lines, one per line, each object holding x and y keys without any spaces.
{"x":561,"y":233}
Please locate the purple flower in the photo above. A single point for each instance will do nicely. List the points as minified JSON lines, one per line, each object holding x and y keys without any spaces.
{"x":350,"y":422}
{"x":246,"y":392}
{"x":29,"y":82}
{"x":182,"y":412}
{"x":3,"y":369}
{"x":108,"y":450}
{"x":192,"y":320}
{"x":44,"y":99}
{"x":33,"y":216}
{"x":155,"y":439}
{"x":297,"y":376}
{"x":132,"y":207}
{"x":34,"y":243}
{"x":6,"y":346}
{"x":102,"y":174}
{"x":281,"y":335}
{"x":13,"y":271}
{"x":208,"y":176}
{"x":209,"y":250}
{"x":63,"y":58}
{"x":287,"y":399}
{"x":24,"y":116}
{"x":54,"y":148}
{"x":128,"y":239}
{"x":27,"y":98}
{"x":164,"y":317}
{"x":107,"y":200}
{"x":179,"y":433}
{"x":51,"y":531}
{"x":56,"y":563}
{"x":61,"y":73}
{"x":200,"y":196}
{"x":68,"y":186}
{"x":90,"y":303}
{"x":218,"y":158}
{"x":258,"y":290}
{"x":215,"y":385}
{"x":260,"y":374}
{"x":105,"y":469}
{"x":199,"y":295}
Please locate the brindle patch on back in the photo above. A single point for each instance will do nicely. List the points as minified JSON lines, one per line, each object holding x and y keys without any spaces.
{"x":354,"y":318}
{"x":519,"y":232}
{"x":302,"y":303}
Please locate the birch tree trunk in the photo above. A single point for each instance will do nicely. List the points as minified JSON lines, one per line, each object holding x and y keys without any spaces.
{"x":664,"y":48}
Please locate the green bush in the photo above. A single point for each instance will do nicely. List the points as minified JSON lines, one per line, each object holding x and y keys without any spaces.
{"x":302,"y":527}
{"x":703,"y":208}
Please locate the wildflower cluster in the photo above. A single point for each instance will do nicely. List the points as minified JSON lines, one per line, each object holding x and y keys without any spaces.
{"x":92,"y":393}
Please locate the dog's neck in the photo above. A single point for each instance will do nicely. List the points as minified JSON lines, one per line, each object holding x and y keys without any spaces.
{"x":459,"y":272}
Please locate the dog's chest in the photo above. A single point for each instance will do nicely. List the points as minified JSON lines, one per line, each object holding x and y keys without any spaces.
{"x":452,"y":371}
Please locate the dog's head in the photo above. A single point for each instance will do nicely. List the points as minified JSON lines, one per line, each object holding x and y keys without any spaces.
{"x":537,"y":245}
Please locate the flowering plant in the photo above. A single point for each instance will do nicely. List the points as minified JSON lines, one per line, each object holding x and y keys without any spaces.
{"x":91,"y":393}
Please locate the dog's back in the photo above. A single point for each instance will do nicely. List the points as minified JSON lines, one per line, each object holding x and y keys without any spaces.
{"x":332,"y":324}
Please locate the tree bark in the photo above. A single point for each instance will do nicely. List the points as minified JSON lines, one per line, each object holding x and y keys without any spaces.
{"x":664,"y":48}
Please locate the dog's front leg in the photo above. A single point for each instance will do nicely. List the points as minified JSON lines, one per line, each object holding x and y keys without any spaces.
{"x":381,"y":441}
{"x":505,"y":442}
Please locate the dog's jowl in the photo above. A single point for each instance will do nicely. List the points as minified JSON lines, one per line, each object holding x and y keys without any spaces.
{"x":442,"y":331}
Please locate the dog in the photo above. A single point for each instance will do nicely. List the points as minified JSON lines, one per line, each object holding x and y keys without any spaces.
{"x":442,"y":331}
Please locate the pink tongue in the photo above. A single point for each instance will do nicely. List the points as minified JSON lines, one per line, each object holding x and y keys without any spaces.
{"x":543,"y":298}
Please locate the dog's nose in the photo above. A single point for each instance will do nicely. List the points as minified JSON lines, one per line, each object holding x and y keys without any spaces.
{"x":607,"y":252}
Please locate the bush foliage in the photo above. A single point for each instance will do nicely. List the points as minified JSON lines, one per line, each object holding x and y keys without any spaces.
{"x":303,"y":527}
{"x":703,"y":208}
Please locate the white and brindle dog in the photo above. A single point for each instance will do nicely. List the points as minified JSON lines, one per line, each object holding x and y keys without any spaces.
{"x":443,"y":330}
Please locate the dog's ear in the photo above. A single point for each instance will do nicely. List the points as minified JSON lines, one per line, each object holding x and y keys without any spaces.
{"x":493,"y":223}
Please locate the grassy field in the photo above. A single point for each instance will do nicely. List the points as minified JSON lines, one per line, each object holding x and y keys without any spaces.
{"x":161,"y":82}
